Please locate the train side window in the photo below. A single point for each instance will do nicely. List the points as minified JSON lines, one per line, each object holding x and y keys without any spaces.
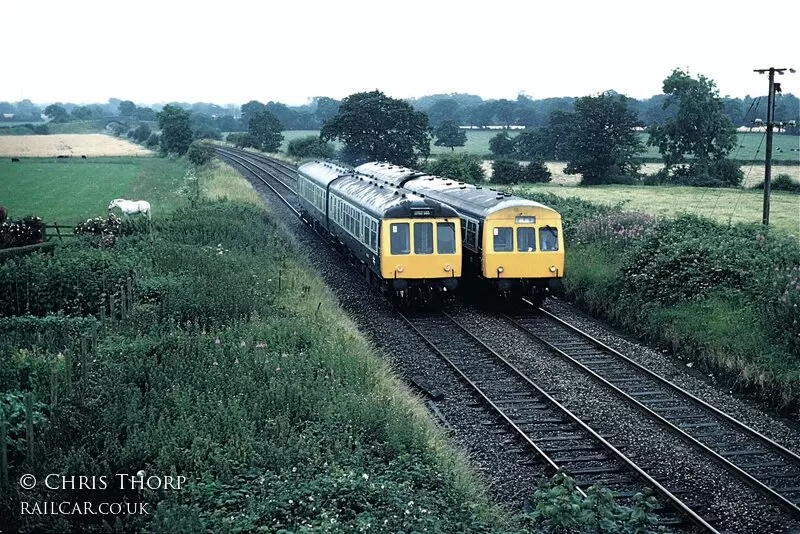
{"x":503,"y":239}
{"x":526,"y":239}
{"x":548,"y":238}
{"x":400,"y":242}
{"x":423,"y":238}
{"x":463,"y":229}
{"x":445,"y":238}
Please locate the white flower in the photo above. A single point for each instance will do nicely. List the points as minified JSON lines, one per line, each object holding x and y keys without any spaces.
{"x":365,"y":476}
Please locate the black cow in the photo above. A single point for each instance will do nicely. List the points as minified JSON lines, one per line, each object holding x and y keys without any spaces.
{"x":15,"y":160}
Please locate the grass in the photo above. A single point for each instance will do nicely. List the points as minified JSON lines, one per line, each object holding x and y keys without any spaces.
{"x":72,"y":190}
{"x":263,"y":395}
{"x":721,"y":205}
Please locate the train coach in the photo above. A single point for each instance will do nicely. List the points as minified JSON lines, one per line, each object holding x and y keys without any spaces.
{"x":513,"y":247}
{"x":408,"y":245}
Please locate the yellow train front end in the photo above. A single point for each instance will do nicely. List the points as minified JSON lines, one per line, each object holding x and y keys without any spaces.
{"x":523,"y":251}
{"x":421,"y":254}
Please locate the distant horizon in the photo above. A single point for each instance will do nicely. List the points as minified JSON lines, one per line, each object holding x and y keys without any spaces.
{"x":309,"y":100}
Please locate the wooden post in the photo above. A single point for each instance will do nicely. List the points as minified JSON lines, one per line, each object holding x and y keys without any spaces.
{"x":53,"y":390}
{"x":68,"y":371}
{"x":29,"y":426}
{"x":3,"y":455}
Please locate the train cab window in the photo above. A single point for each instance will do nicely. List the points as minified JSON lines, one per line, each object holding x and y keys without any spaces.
{"x":400,"y":239}
{"x":548,"y":238}
{"x":423,"y":238}
{"x":526,"y":239}
{"x":445,"y":238}
{"x":503,"y":239}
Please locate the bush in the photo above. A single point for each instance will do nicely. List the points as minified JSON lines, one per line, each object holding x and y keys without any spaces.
{"x":27,"y":231}
{"x":462,"y":167}
{"x":241,"y":140}
{"x":200,"y":153}
{"x":153,"y":141}
{"x":782,"y":182}
{"x":310,"y":147}
{"x":720,"y":173}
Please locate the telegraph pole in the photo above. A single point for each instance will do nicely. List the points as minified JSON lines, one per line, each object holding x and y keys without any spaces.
{"x":770,"y":124}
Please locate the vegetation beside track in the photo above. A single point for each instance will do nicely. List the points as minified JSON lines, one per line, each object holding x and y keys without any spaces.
{"x":724,"y":296}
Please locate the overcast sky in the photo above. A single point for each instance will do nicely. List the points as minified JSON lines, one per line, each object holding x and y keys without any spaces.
{"x":234,"y":51}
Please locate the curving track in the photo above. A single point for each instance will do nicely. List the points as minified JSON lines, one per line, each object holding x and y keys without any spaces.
{"x":559,"y":439}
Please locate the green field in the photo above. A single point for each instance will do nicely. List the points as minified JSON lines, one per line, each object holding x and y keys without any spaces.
{"x":71,"y":191}
{"x":718,"y":204}
{"x":786,"y":148}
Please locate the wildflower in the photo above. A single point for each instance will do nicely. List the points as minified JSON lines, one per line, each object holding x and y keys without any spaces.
{"x":365,"y":476}
{"x":217,"y":341}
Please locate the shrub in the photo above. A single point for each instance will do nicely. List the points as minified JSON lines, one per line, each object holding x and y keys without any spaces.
{"x":560,"y":508}
{"x":782,"y":182}
{"x":27,"y":231}
{"x":462,"y":167}
{"x":309,"y":147}
{"x":200,"y":153}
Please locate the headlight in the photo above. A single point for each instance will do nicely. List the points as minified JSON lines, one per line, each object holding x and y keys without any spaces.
{"x":553,"y":268}
{"x":447,"y":267}
{"x":500,"y":269}
{"x":399,"y":269}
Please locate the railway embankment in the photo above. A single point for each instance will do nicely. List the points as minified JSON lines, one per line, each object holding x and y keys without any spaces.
{"x":203,"y":349}
{"x":723,"y":298}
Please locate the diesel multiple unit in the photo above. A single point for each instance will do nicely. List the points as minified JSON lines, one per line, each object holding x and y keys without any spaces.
{"x":512,"y":246}
{"x":409,"y":245}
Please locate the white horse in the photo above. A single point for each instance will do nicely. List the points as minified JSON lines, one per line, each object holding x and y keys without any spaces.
{"x":131,"y":207}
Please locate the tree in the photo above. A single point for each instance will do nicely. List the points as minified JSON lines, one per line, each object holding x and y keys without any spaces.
{"x":506,"y":171}
{"x":463,"y":167}
{"x":249,"y":110}
{"x":700,"y":128}
{"x":82,"y":112}
{"x":533,"y":144}
{"x":450,"y":135}
{"x":602,"y":145}
{"x":444,"y":110}
{"x":326,"y":108}
{"x":57,"y":113}
{"x":127,"y":108}
{"x":373,"y":126}
{"x":501,"y":145}
{"x":265,"y":129}
{"x":176,"y":129}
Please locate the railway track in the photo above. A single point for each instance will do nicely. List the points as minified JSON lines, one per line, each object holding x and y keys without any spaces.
{"x":766,"y":466}
{"x":559,"y":439}
{"x":255,"y":165}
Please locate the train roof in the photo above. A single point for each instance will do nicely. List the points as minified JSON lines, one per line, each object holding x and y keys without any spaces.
{"x":379,"y":199}
{"x":467,"y":199}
